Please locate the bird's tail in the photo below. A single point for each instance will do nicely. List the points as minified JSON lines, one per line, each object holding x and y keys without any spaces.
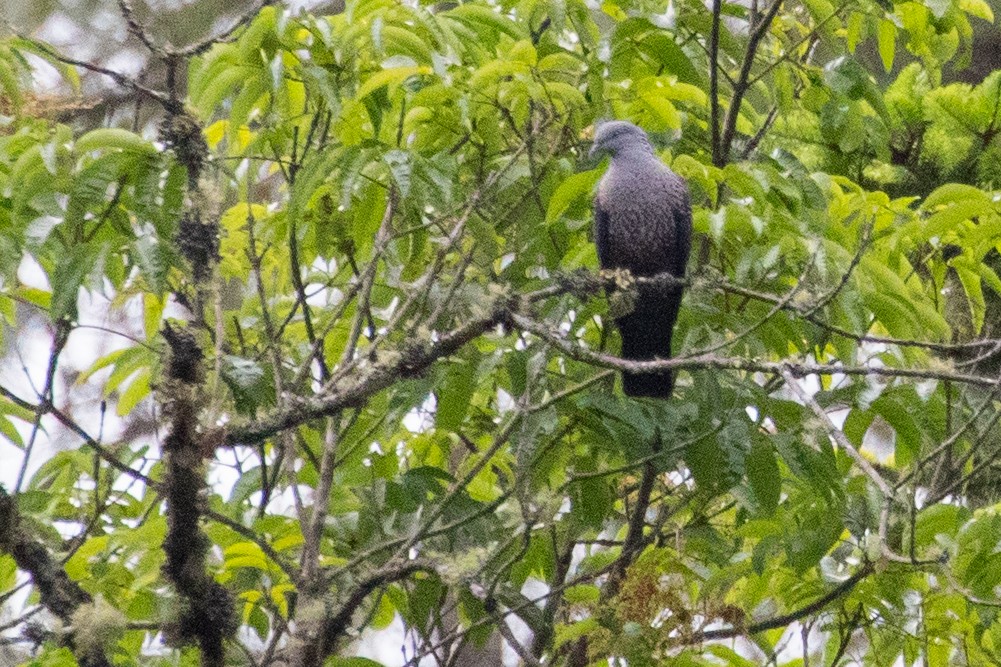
{"x":650,"y":385}
{"x":646,"y":335}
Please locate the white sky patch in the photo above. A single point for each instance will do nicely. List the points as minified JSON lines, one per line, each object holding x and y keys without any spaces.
{"x":125,"y":62}
{"x":421,"y":418}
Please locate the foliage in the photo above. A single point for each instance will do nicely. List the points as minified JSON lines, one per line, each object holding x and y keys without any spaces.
{"x":353,"y":302}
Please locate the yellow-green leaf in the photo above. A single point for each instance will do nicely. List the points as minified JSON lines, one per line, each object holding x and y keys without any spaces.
{"x":112,"y":138}
{"x":887,"y":40}
{"x":389,"y":77}
{"x":570,"y":190}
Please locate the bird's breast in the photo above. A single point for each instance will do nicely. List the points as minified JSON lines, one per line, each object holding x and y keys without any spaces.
{"x":641,"y":205}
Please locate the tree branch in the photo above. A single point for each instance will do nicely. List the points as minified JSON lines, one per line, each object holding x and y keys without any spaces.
{"x":59,"y":594}
{"x":139,"y":30}
{"x":312,"y":650}
{"x":817,"y":605}
{"x":708,"y":361}
{"x":717,"y":154}
{"x":122,"y":80}
{"x":758,"y":32}
{"x":634,"y":542}
{"x":416,"y":356}
{"x":838,"y":435}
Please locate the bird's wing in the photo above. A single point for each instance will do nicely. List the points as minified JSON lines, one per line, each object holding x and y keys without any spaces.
{"x":683,"y":235}
{"x":601,"y":238}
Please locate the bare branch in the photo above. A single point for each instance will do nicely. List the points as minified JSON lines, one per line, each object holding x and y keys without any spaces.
{"x":757,"y":33}
{"x":203,"y":46}
{"x":412,"y":360}
{"x":634,"y":542}
{"x":797,"y":369}
{"x":312,"y":649}
{"x":122,"y":80}
{"x":838,"y":435}
{"x":516,"y":645}
{"x":416,"y":357}
{"x":313,"y":533}
{"x":139,"y":30}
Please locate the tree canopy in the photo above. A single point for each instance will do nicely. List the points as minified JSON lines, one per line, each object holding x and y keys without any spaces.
{"x":304,"y":341}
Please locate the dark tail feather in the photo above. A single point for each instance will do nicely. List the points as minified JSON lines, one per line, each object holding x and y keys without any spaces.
{"x":651,"y":385}
{"x":646,"y":335}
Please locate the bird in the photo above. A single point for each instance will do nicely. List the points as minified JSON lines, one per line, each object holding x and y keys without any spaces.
{"x":643,"y":223}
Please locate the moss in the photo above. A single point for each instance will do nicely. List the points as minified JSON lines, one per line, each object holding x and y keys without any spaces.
{"x":97,"y":626}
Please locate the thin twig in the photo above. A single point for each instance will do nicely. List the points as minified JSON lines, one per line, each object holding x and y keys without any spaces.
{"x":757,"y":33}
{"x":46,"y":397}
{"x":139,"y":30}
{"x":256,"y":538}
{"x":838,"y":435}
{"x":714,"y":66}
{"x":784,"y":620}
{"x":117,"y":77}
{"x":321,"y":500}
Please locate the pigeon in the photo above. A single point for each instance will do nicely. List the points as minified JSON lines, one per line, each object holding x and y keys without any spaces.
{"x":643,"y":223}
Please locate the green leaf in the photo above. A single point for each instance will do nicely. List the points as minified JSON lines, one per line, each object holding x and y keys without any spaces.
{"x":78,"y":564}
{"x":970,"y":280}
{"x":664,"y":114}
{"x":220,"y":87}
{"x":763,"y":474}
{"x":566,"y":633}
{"x":825,"y":17}
{"x":949,"y":218}
{"x":988,"y":275}
{"x":245,"y":555}
{"x":898,"y":411}
{"x":252,"y":384}
{"x":481,"y":17}
{"x":405,"y":42}
{"x":887,"y":40}
{"x":582,"y":594}
{"x":665,"y":51}
{"x":571,"y":190}
{"x":154,"y":258}
{"x":92,"y":183}
{"x":67,"y":279}
{"x":847,"y":77}
{"x":401,"y":167}
{"x":956,"y":193}
{"x":393,"y":76}
{"x":112,"y":138}
{"x":153,"y":306}
{"x":937,"y":520}
{"x":316,"y":169}
{"x":454,"y":394}
{"x":137,"y":390}
{"x":10,"y":85}
{"x":248,"y":483}
{"x":591,"y":501}
{"x":854,"y":27}
{"x":383,"y":614}
{"x":978,"y":8}
{"x":68,"y":72}
{"x":259,"y":29}
{"x":10,"y":432}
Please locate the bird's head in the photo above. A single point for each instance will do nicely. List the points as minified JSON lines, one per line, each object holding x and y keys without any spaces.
{"x":615,"y":137}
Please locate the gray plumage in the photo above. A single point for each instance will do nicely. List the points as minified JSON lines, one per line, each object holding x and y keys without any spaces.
{"x":643,"y":223}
